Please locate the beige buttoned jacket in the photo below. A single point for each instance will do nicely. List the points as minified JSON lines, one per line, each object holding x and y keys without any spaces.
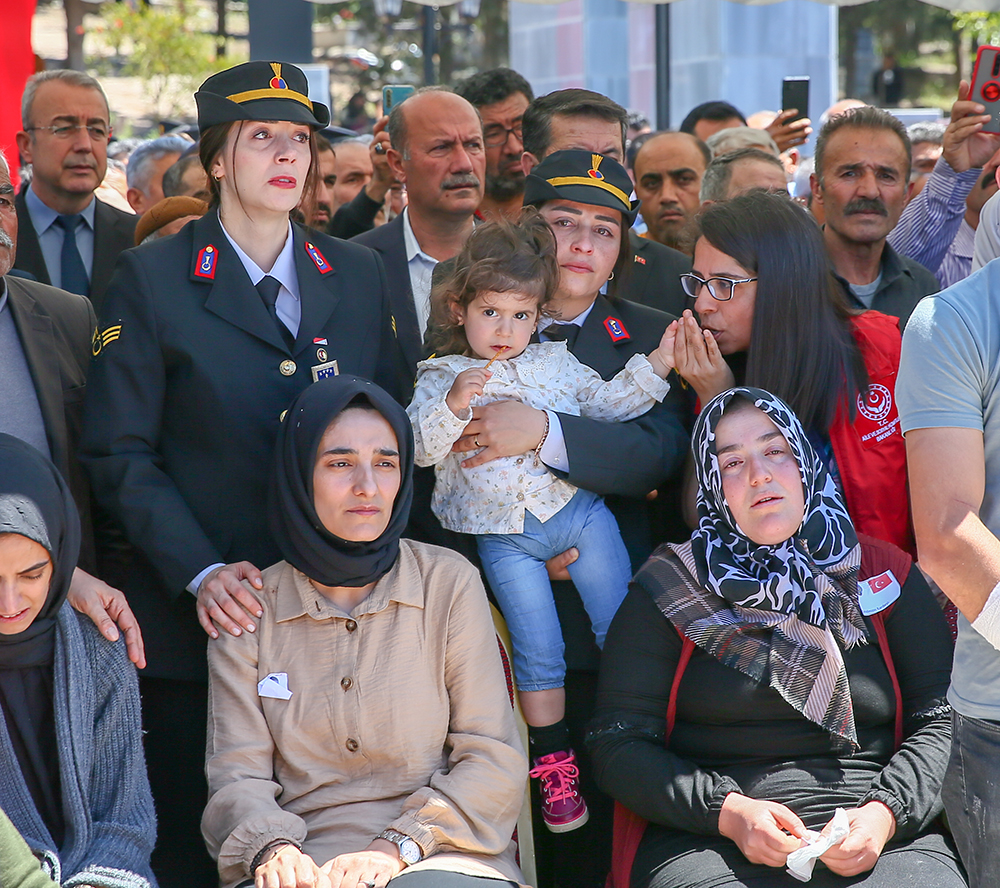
{"x":398,"y":716}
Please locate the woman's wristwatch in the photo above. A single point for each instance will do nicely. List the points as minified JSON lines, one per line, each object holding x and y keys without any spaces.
{"x":409,"y":850}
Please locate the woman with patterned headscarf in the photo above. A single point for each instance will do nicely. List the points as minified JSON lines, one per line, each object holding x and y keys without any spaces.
{"x":768,"y":671}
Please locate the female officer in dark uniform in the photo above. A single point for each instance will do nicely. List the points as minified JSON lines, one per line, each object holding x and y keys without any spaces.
{"x":203,"y":341}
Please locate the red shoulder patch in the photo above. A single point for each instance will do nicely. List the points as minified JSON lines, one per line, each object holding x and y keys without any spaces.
{"x":616,"y":330}
{"x":207,"y":259}
{"x":319,"y":260}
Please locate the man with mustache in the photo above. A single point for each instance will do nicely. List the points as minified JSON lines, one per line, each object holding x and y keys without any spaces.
{"x":69,"y":238}
{"x":860,"y":181}
{"x":501,"y":97}
{"x":438,"y":154}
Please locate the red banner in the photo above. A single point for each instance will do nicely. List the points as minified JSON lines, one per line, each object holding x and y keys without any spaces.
{"x":17,"y":64}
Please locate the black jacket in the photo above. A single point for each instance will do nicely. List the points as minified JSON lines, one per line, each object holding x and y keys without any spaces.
{"x":114,"y":232}
{"x":388,"y":241}
{"x":904,"y":283}
{"x":56,"y":329}
{"x":654,"y":278}
{"x":188,"y":386}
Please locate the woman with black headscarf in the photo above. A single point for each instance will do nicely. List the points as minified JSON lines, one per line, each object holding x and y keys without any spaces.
{"x":768,"y":671}
{"x":72,"y":773}
{"x":365,"y":726}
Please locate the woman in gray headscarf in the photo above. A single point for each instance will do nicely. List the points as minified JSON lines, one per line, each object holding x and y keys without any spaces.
{"x":72,"y":772}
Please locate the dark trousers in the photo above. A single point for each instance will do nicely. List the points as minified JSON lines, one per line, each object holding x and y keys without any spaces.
{"x":971,"y":795}
{"x":174,"y":719}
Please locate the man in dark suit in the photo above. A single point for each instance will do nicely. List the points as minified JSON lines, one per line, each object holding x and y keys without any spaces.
{"x":45,"y":344}
{"x":437,"y":152}
{"x":69,"y":238}
{"x":580,"y":118}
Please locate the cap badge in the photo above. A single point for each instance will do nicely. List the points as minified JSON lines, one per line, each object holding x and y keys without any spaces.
{"x":595,"y":171}
{"x":277,"y":82}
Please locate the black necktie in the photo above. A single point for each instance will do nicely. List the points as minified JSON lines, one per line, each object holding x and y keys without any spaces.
{"x":72,"y":269}
{"x":268,"y":288}
{"x":564,"y":332}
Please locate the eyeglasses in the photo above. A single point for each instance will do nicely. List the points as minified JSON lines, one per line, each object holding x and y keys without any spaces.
{"x":496,"y":134}
{"x":97,"y":132}
{"x":719,"y":288}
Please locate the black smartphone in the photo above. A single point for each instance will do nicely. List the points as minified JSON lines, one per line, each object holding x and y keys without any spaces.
{"x":986,"y":85}
{"x":795,"y":94}
{"x":395,"y":95}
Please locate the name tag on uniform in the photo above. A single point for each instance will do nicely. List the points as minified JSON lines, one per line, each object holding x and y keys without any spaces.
{"x":322,"y":371}
{"x":877,"y":593}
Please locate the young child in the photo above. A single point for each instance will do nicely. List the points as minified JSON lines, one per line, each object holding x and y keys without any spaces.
{"x":484,"y":316}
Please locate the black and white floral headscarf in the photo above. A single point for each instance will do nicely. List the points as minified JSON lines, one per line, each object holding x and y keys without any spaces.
{"x":803,"y":590}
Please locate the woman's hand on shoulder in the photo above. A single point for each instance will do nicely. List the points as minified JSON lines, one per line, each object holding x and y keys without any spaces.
{"x":872,"y":825}
{"x":372,"y":867}
{"x":697,"y":358}
{"x":765,"y":832}
{"x":223,"y":600}
{"x":288,"y":867}
{"x":107,"y":606}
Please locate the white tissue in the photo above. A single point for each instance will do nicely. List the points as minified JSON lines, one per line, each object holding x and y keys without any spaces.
{"x":801,"y":862}
{"x":275,"y":686}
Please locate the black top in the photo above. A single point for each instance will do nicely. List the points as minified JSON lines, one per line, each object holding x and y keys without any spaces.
{"x":185,"y":397}
{"x":733,"y":735}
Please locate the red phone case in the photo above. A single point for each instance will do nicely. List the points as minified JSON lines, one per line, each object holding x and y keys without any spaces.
{"x":986,"y":85}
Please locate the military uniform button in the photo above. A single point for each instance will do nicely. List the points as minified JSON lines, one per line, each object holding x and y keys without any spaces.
{"x":287,"y":368}
{"x":351,"y":625}
{"x":346,"y":683}
{"x":352,"y":745}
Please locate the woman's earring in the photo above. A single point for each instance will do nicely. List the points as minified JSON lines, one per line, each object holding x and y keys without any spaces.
{"x":611,"y":277}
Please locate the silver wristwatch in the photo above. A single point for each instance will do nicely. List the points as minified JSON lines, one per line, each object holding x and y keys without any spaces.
{"x":409,"y":850}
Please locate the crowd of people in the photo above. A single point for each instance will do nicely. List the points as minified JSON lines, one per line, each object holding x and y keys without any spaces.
{"x":296,"y":413}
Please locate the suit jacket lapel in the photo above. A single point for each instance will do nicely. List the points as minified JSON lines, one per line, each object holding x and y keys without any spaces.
{"x":29,"y":251}
{"x":594,"y":345}
{"x":318,"y":292}
{"x":232,"y":297}
{"x":106,"y":236}
{"x":38,"y":341}
{"x":397,"y":273}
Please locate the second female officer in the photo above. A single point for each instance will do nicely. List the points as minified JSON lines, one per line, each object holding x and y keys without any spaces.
{"x":204,"y":339}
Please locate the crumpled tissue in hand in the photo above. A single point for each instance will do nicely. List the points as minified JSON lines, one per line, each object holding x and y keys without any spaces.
{"x":800,"y":863}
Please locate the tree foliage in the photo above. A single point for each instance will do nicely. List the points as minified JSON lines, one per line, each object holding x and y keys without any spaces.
{"x":167,"y":47}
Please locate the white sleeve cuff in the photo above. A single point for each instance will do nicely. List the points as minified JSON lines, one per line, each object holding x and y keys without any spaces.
{"x":553,"y":452}
{"x":195,"y":584}
{"x":987,"y":623}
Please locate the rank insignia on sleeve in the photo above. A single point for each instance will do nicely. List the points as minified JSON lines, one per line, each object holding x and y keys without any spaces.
{"x":105,"y":338}
{"x":205,"y":266}
{"x":616,"y":329}
{"x":319,"y":260}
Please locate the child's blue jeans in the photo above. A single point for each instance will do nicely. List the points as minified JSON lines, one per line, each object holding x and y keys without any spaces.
{"x":515,"y":568}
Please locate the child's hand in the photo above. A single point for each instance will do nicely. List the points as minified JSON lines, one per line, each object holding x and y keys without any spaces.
{"x":662,"y":357}
{"x":466,"y":384}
